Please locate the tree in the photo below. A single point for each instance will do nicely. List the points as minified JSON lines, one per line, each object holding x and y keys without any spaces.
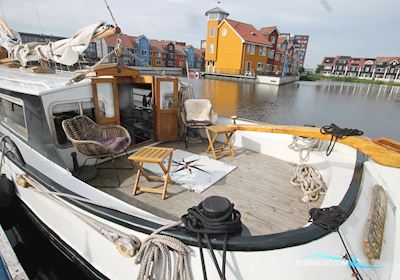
{"x":301,"y":69}
{"x":319,"y":68}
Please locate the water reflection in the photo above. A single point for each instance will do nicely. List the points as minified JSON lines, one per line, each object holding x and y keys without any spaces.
{"x":375,"y":109}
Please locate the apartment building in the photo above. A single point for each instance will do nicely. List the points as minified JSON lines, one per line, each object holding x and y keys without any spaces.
{"x":379,"y":68}
{"x":237,"y":48}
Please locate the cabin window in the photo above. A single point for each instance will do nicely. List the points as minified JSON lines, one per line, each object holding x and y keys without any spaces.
{"x":63,"y":111}
{"x":13,"y":115}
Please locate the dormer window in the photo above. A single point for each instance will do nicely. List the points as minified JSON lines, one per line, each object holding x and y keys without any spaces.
{"x":273,"y":39}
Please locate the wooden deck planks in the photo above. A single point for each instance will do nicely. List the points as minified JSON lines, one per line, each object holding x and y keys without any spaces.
{"x":260,"y":189}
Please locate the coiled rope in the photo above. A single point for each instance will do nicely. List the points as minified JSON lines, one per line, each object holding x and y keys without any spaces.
{"x":310,"y":181}
{"x":197,"y":221}
{"x":305,"y":145}
{"x":338,"y":133}
{"x":155,"y":260}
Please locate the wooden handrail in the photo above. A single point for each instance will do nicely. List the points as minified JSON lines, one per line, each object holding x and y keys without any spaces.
{"x":378,"y":153}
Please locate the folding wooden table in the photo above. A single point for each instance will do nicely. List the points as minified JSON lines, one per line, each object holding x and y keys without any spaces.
{"x":155,"y":155}
{"x":217,"y":130}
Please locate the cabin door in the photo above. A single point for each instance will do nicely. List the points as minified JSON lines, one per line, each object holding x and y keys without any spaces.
{"x":105,"y":99}
{"x":166,"y":108}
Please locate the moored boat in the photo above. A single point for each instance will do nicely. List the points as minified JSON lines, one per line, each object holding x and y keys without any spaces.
{"x":102,"y":226}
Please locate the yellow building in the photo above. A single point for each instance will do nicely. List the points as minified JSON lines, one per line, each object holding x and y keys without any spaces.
{"x":234,"y":47}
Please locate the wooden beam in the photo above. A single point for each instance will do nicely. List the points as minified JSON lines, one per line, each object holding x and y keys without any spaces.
{"x":378,"y":153}
{"x":106,"y":33}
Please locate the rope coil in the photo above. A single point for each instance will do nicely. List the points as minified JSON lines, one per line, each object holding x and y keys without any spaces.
{"x":338,"y":133}
{"x":310,"y":181}
{"x":154,"y":257}
{"x":305,"y":146}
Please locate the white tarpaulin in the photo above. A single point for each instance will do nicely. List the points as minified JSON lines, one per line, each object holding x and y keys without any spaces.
{"x":64,"y":51}
{"x":196,"y":180}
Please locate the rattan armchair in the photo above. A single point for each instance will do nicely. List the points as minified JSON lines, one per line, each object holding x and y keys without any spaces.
{"x":96,"y":141}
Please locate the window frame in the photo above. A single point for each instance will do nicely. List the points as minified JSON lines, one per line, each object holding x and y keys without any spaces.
{"x":212,"y":34}
{"x":251,"y":49}
{"x":271,"y":54}
{"x":18,"y":102}
{"x":211,"y":47}
{"x":262,"y":51}
{"x":52,"y":124}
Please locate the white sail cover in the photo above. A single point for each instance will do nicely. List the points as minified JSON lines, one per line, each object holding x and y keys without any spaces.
{"x":64,"y":51}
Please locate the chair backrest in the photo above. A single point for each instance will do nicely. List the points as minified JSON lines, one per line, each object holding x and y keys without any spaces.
{"x":198,"y":109}
{"x":79,"y":128}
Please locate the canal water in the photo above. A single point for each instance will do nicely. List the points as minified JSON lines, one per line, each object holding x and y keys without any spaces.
{"x":374,"y":109}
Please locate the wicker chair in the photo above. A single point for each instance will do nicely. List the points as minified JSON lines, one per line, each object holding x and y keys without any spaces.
{"x":95,"y":141}
{"x":197,"y":114}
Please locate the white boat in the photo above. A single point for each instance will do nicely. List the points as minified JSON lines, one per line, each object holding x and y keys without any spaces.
{"x":102,"y":231}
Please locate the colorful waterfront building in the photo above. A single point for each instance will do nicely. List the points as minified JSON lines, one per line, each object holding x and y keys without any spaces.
{"x":234,"y":47}
{"x":189,"y":50}
{"x":199,"y":59}
{"x":138,"y":45}
{"x":142,"y":50}
{"x":157,"y":53}
{"x":272,"y":34}
{"x":379,"y":68}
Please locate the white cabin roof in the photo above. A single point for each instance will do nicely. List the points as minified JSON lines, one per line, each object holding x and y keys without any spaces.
{"x":20,"y":80}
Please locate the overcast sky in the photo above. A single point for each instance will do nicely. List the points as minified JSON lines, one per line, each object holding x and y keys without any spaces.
{"x":336,"y":27}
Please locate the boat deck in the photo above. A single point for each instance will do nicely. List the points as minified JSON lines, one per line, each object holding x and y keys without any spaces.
{"x":259,"y":187}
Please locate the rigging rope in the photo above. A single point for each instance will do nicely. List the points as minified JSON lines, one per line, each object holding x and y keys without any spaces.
{"x":310,"y":181}
{"x":37,"y":16}
{"x":330,"y":219}
{"x":338,"y":133}
{"x":112,"y":16}
{"x":202,"y":223}
{"x":305,"y":145}
{"x":155,"y":252}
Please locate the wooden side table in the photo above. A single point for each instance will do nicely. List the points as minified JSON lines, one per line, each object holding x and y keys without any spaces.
{"x":154,"y":155}
{"x":217,"y":130}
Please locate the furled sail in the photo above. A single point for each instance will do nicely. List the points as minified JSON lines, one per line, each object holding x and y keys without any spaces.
{"x":65,"y":51}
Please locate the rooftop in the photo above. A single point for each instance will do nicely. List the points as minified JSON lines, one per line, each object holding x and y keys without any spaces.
{"x":248,"y":32}
{"x":268,"y":30}
{"x":216,"y":10}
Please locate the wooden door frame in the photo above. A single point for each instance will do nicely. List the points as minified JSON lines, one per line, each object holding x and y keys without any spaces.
{"x":99,"y":119}
{"x":157,"y":105}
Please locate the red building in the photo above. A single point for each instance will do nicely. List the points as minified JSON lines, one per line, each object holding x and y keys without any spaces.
{"x":272,"y":34}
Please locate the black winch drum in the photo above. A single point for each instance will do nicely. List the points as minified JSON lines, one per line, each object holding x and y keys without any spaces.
{"x":215,"y":206}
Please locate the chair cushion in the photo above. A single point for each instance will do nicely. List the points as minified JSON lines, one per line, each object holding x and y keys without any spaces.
{"x":114,"y":144}
{"x":198,"y":110}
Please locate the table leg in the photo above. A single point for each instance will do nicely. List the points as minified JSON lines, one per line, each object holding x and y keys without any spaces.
{"x":136,"y":186}
{"x":211,"y":143}
{"x":229,"y":136}
{"x":167,"y":178}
